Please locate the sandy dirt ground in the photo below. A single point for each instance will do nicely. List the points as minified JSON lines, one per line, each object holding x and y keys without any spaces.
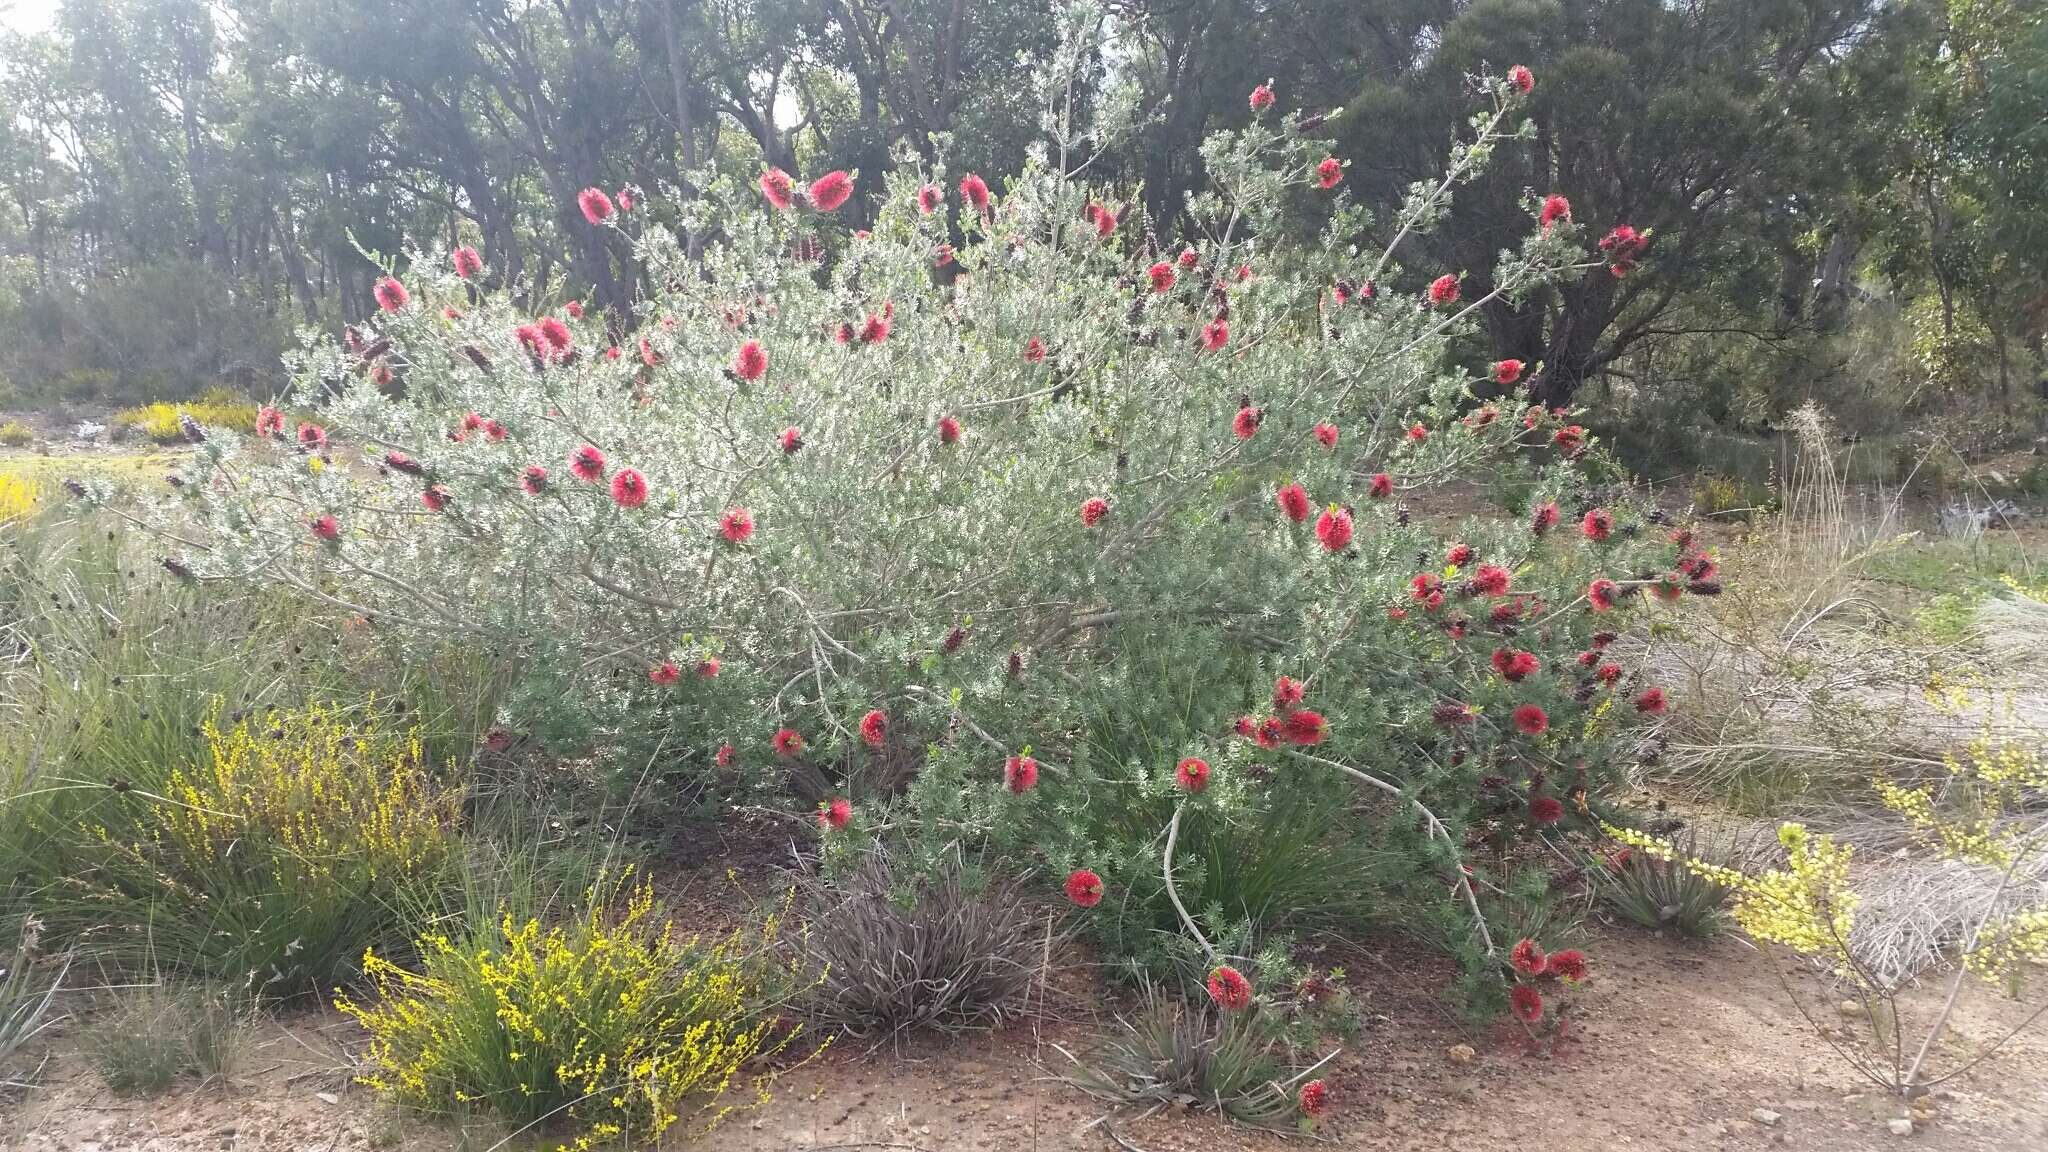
{"x":1680,"y":1046}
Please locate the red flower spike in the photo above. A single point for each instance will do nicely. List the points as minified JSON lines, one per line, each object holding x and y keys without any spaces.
{"x":597,"y":207}
{"x":1607,"y":673}
{"x":1600,"y":594}
{"x":1443,"y":290}
{"x":787,"y":742}
{"x":875,"y":330}
{"x":1093,"y":509}
{"x":736,"y":525}
{"x":1514,"y":665}
{"x":1459,"y":555}
{"x":708,"y":667}
{"x":574,"y":308}
{"x":587,"y":464}
{"x":1555,"y":208}
{"x":390,"y":294}
{"x":326,"y":527}
{"x":1333,"y":529}
{"x":1229,"y":989}
{"x":1568,"y":965}
{"x":1597,"y":525}
{"x":1293,"y":501}
{"x":1491,"y":580}
{"x":1527,"y":1003}
{"x":835,"y":813}
{"x":779,"y":189}
{"x":1527,"y":957}
{"x":831,"y":190}
{"x":467,"y":262}
{"x":792,"y":439}
{"x":726,"y":755}
{"x":1287,"y":692}
{"x":1262,"y":97}
{"x":1329,"y":173}
{"x":1544,"y":518}
{"x":949,"y":431}
{"x":312,"y":437}
{"x":751,"y":363}
{"x":874,"y":728}
{"x":1314,"y":1099}
{"x":665,"y":672}
{"x":1034,"y":350}
{"x":1191,"y":774}
{"x":1523,"y":80}
{"x":974,"y":190}
{"x":1652,"y":701}
{"x":1161,"y":276}
{"x":1382,"y":486}
{"x":1546,"y":810}
{"x":534,"y":480}
{"x":629,"y":488}
{"x":1506,"y":372}
{"x":1531,"y":720}
{"x":435,"y":497}
{"x":1246,"y":423}
{"x":1020,"y":774}
{"x":1325,"y":434}
{"x":1215,"y":334}
{"x":269,"y":421}
{"x":1305,"y":727}
{"x":1084,"y":888}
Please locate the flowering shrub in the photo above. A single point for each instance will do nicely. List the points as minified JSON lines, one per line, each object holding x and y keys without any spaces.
{"x":610,"y":1022}
{"x":943,"y":487}
{"x":167,"y":423}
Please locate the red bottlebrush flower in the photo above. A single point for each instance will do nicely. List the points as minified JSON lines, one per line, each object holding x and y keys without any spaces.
{"x":1229,"y":989}
{"x":1270,"y":732}
{"x":1443,"y":290}
{"x":1508,"y":613}
{"x":1262,"y":97}
{"x":1246,"y":727}
{"x":1555,"y":208}
{"x":1507,"y":371}
{"x":534,"y":479}
{"x":1570,"y":439}
{"x":574,"y":308}
{"x":1329,"y":173}
{"x":751,"y":363}
{"x":1527,"y":957}
{"x":955,"y":637}
{"x":1104,"y":221}
{"x":1652,"y":701}
{"x":1668,"y":588}
{"x":399,"y":461}
{"x":1188,"y":259}
{"x":390,"y":294}
{"x":312,"y":437}
{"x":1527,"y":1003}
{"x":1486,"y":414}
{"x":1084,"y":888}
{"x":1546,"y":809}
{"x":470,"y":422}
{"x":843,"y":334}
{"x":1020,"y":774}
{"x":1597,"y":525}
{"x":944,"y":256}
{"x":1589,"y":657}
{"x":1333,"y":529}
{"x":1523,"y":79}
{"x":835,"y":813}
{"x":495,"y":431}
{"x":435,"y":497}
{"x":778,"y":188}
{"x":736,"y":525}
{"x":467,"y":262}
{"x":874,"y":728}
{"x":1459,"y":555}
{"x":556,"y":334}
{"x":726,"y":755}
{"x":1293,"y":501}
{"x":1191,"y":774}
{"x":1623,"y":246}
{"x":1093,"y":509}
{"x":587,"y":464}
{"x":1514,"y":664}
{"x":665,"y":672}
{"x":1417,"y":433}
{"x":597,"y":207}
{"x":1491,"y":580}
{"x":1287,"y":692}
{"x":1034,"y":350}
{"x":875,"y":330}
{"x":1544,"y":518}
{"x":929,"y":198}
{"x":831,"y":190}
{"x":1382,"y":486}
{"x":1161,"y":275}
{"x":627,"y":195}
{"x":1607,"y":673}
{"x":1215,"y":334}
{"x":1425,"y":585}
{"x":974,"y":190}
{"x":269,"y":421}
{"x":648,"y":355}
{"x":791,"y":440}
{"x":1246,"y":422}
{"x":949,"y":431}
{"x":1314,"y":1099}
{"x":787,"y":742}
{"x":629,"y":488}
{"x":1325,"y":434}
{"x":708,"y":667}
{"x":1600,"y":594}
{"x":326,"y":527}
{"x":1305,"y":727}
{"x":1568,"y":965}
{"x":1531,"y":720}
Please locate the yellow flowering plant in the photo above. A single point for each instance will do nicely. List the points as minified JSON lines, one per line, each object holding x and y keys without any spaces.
{"x":609,"y":1023}
{"x":1809,"y":903}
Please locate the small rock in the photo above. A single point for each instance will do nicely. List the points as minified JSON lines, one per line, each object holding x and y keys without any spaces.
{"x":1764,"y":1116}
{"x":1850,"y":1007}
{"x":1901,"y":1126}
{"x":1461,"y":1054}
{"x":327,"y":1097}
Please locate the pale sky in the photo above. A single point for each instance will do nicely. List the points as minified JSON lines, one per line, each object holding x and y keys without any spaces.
{"x":27,"y":15}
